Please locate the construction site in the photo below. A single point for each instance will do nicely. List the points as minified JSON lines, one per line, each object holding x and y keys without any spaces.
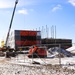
{"x":25,"y":52}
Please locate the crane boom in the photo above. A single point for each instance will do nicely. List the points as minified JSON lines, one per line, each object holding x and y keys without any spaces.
{"x":16,"y":2}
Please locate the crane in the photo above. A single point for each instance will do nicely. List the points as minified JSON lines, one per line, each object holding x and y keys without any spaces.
{"x":8,"y":54}
{"x":16,"y":2}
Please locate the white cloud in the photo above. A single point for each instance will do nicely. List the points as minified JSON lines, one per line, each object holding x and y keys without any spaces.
{"x":10,"y":3}
{"x":57,"y":7}
{"x":6,"y":3}
{"x":23,"y":11}
{"x":72,"y":2}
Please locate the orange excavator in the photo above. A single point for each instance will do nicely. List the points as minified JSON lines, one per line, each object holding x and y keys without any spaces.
{"x":37,"y":52}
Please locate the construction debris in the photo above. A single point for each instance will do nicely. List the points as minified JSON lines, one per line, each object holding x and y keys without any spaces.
{"x":59,"y":52}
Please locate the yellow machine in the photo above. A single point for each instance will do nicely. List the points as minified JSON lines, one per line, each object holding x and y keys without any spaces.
{"x":2,"y":43}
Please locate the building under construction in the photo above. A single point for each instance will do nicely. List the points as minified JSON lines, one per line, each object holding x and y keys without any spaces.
{"x":22,"y":38}
{"x":63,"y":43}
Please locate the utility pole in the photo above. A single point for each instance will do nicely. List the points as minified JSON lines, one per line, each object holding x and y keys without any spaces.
{"x":16,"y":2}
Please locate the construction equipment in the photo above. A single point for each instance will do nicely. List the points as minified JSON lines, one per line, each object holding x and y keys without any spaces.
{"x":2,"y":43}
{"x":16,"y":2}
{"x":5,"y":46}
{"x":37,"y":52}
{"x":10,"y":53}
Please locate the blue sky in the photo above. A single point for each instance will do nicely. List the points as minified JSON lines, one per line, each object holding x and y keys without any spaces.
{"x":35,"y":14}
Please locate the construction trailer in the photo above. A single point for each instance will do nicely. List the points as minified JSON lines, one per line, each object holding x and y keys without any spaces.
{"x":22,"y":38}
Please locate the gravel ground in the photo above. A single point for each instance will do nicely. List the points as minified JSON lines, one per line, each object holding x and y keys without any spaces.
{"x":32,"y":69}
{"x":15,"y":66}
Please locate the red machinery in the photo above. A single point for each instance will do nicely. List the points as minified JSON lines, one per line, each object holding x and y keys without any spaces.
{"x":37,"y":52}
